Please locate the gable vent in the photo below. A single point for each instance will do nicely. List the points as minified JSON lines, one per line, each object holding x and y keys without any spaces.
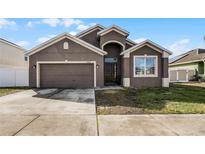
{"x":65,"y":46}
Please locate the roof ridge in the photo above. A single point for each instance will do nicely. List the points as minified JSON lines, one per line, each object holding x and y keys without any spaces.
{"x":143,"y":42}
{"x":88,"y":29}
{"x":183,"y":55}
{"x":71,"y":37}
{"x":13,"y":44}
{"x":114,"y":26}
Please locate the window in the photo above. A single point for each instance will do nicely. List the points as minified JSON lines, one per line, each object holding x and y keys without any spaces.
{"x":26,"y":58}
{"x":110,"y":60}
{"x":145,"y":66}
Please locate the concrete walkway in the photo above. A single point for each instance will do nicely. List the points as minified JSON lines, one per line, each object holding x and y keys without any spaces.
{"x":152,"y":125}
{"x":73,"y":112}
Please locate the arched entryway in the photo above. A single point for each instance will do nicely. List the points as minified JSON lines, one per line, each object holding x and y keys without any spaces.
{"x":112,"y":63}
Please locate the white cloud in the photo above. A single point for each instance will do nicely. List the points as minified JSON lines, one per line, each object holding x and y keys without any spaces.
{"x":73,"y":33}
{"x":83,"y":27}
{"x":139,"y":40}
{"x":23,"y":43}
{"x":53,"y":22}
{"x":5,"y":23}
{"x":68,"y":22}
{"x":45,"y":38}
{"x":29,"y":24}
{"x":92,"y":24}
{"x":179,"y":47}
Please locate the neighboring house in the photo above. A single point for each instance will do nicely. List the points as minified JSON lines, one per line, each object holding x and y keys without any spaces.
{"x":184,"y":67}
{"x":13,"y":67}
{"x":98,"y":57}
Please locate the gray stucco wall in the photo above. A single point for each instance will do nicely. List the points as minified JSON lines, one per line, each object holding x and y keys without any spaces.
{"x":92,"y":38}
{"x":165,"y":66}
{"x":127,"y":46}
{"x":125,"y":67}
{"x":75,"y":52}
{"x":141,"y":82}
{"x":112,"y":36}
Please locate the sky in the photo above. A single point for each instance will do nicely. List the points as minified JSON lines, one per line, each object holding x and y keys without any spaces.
{"x":177,"y":35}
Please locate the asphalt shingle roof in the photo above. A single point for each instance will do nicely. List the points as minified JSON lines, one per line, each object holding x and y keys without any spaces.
{"x":193,"y":55}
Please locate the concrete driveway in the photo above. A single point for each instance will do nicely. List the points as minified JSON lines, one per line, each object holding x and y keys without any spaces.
{"x":48,"y":112}
{"x":73,"y":112}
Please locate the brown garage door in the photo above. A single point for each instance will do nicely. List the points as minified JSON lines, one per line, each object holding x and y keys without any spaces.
{"x":67,"y":75}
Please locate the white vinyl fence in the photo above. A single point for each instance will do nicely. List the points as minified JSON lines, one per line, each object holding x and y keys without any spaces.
{"x":181,"y":75}
{"x":13,"y":77}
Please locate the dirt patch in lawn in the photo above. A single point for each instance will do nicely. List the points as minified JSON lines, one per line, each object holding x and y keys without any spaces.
{"x":115,"y":102}
{"x":7,"y":91}
{"x":176,"y":99}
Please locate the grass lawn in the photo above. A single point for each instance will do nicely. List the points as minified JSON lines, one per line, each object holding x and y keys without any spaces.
{"x":179,"y":98}
{"x":6,"y":91}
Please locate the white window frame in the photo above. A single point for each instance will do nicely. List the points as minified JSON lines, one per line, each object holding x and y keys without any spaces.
{"x":145,"y":75}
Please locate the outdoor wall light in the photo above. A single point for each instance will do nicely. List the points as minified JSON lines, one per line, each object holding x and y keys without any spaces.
{"x":34,"y":66}
{"x":97,"y":66}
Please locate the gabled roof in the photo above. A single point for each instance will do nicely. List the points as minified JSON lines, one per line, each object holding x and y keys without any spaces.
{"x":114,"y":28}
{"x":194,"y":55}
{"x":142,"y":44}
{"x":89,"y":30}
{"x":100,"y":27}
{"x":177,"y":57}
{"x":130,"y":42}
{"x":61,"y":37}
{"x":12,"y":44}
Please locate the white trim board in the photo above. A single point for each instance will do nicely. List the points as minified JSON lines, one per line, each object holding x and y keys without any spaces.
{"x":145,"y":56}
{"x":126,"y":82}
{"x":130,"y":42}
{"x":89,"y":30}
{"x":165,"y":82}
{"x":114,"y":28}
{"x":62,"y":62}
{"x":112,"y":41}
{"x":149,"y":44}
{"x":61,"y":37}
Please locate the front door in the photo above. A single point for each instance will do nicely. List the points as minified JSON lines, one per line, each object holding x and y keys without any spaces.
{"x":110,"y":71}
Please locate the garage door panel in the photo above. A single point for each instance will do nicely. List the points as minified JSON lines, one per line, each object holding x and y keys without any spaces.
{"x":67,"y":75}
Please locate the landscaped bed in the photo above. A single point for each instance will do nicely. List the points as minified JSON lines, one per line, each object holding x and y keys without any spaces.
{"x":179,"y":98}
{"x":6,"y":91}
